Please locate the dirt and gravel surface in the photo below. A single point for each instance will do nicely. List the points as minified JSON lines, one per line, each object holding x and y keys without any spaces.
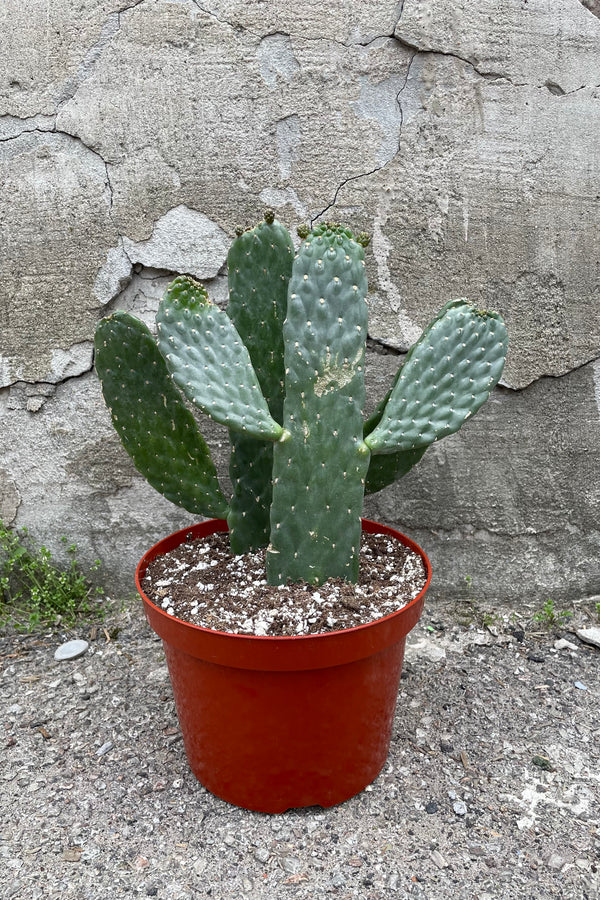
{"x":491,"y":790}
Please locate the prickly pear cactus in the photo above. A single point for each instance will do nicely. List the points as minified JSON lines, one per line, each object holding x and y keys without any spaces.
{"x":283,"y":370}
{"x":209,"y":362}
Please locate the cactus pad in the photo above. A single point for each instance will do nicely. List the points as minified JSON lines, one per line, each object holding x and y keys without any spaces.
{"x":259,"y":266}
{"x":209,"y":362}
{"x":319,"y":471}
{"x":446,"y":377}
{"x":155,"y":427}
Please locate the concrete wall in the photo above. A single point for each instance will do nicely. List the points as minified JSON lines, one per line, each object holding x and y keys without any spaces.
{"x":135,"y":136}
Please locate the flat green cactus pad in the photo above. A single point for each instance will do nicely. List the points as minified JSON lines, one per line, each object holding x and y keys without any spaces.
{"x":446,"y":377}
{"x":259,"y":265}
{"x":156,"y":428}
{"x":209,"y":362}
{"x":319,"y":472}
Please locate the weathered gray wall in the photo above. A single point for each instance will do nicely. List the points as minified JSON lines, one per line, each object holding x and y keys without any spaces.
{"x":134,"y":137}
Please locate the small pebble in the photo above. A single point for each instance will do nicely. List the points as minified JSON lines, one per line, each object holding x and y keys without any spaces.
{"x":424,"y":649}
{"x":555,"y":862}
{"x":393,"y":881}
{"x":200,"y":865}
{"x":580,"y":686}
{"x":291,"y":864}
{"x":460,"y":807}
{"x":108,"y":745}
{"x":589,"y":635}
{"x":439,"y":860}
{"x":71,"y":650}
{"x":431,"y":807}
{"x":564,"y":644}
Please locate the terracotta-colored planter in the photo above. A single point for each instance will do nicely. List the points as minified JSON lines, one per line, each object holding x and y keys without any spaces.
{"x":271,"y":723}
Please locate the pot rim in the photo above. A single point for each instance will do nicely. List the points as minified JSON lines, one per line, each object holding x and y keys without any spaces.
{"x":280,"y":652}
{"x":150,"y":555}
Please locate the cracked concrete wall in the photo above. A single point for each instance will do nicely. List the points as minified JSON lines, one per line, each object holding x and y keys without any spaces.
{"x":135,"y":136}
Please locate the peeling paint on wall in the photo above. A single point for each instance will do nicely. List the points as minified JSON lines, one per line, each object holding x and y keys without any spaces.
{"x":9,"y":498}
{"x":70,"y":362}
{"x":288,"y":144}
{"x":277,"y":198}
{"x":114,"y":275}
{"x":276,"y":59}
{"x":183,"y":240}
{"x":378,"y":101}
{"x":406,"y":332}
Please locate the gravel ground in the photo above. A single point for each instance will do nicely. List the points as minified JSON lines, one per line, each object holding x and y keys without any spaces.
{"x":491,"y":790}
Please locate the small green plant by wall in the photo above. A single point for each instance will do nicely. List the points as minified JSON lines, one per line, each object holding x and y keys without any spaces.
{"x":36,"y":590}
{"x":551,"y":617}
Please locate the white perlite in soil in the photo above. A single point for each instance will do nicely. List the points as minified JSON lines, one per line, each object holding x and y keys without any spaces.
{"x":203,"y":583}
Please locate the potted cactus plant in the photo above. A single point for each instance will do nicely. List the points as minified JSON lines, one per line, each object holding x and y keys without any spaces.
{"x":275,"y":722}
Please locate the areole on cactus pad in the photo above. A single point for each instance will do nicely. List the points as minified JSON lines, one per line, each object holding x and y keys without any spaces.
{"x":283,"y":369}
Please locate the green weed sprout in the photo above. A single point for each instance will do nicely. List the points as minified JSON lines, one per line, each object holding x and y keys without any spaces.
{"x":34,"y":590}
{"x":549,"y":616}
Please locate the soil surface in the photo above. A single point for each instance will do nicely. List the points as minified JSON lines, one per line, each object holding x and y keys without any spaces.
{"x":203,"y":583}
{"x":491,"y":789}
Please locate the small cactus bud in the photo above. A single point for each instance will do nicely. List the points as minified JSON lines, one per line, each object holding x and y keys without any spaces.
{"x":363,"y":238}
{"x":303,"y":231}
{"x":269,"y":216}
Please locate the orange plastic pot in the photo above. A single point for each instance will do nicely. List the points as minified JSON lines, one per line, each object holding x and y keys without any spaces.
{"x":271,"y":723}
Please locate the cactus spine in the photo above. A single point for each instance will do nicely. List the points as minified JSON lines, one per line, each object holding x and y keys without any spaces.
{"x":289,"y":386}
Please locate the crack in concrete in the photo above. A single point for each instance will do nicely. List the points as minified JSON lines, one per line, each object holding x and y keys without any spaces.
{"x":233,"y":25}
{"x":418,"y":51}
{"x":28,"y":120}
{"x":588,"y":362}
{"x":557,"y":91}
{"x":377,"y":168}
{"x":549,"y":85}
{"x":380,"y":347}
{"x":131,"y":6}
{"x":296,"y":38}
{"x":488,"y":76}
{"x":73,"y":137}
{"x":48,"y":384}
